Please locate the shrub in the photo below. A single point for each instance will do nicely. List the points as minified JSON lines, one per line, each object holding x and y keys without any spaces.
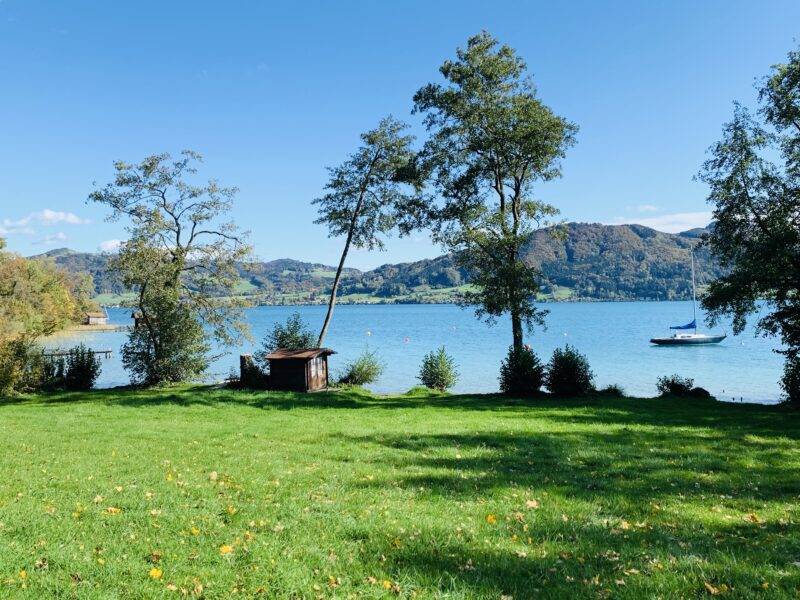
{"x":250,"y":375}
{"x":22,"y":366}
{"x":81,"y":370}
{"x":362,"y":371}
{"x":790,"y":382}
{"x":674,"y":385}
{"x":698,"y":392}
{"x":613,"y":390}
{"x":568,"y":373}
{"x":293,"y":335}
{"x":438,"y":371}
{"x":521,"y":373}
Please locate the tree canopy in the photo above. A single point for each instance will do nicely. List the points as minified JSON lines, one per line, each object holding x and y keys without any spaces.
{"x":491,"y":140}
{"x":181,"y":259}
{"x":366,"y":195}
{"x":754,"y":180}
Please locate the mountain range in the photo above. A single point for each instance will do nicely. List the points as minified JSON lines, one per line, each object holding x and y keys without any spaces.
{"x":589,"y":262}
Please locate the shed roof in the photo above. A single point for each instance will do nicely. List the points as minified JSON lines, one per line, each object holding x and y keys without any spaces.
{"x":96,"y":314}
{"x":303,"y":353}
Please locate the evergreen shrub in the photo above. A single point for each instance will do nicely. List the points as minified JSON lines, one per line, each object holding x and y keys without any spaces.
{"x":438,"y":370}
{"x":568,"y":373}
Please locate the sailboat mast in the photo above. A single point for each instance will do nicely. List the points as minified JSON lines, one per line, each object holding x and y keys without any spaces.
{"x":694,"y":295}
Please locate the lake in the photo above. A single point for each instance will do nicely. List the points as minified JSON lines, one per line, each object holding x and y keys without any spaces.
{"x":613,"y":335}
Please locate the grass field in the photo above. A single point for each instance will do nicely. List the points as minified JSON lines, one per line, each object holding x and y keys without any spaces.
{"x":209,"y":493}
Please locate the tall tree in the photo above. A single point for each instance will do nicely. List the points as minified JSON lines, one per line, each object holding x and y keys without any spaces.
{"x":181,"y":259}
{"x":491,"y":140}
{"x":365,"y":194}
{"x":754,"y":180}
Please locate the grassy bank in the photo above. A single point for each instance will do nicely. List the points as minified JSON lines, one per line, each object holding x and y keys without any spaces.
{"x":149,"y":494}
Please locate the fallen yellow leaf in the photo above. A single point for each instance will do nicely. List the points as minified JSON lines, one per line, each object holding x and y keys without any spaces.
{"x":710,"y":589}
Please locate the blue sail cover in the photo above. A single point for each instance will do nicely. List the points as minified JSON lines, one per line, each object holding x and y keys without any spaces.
{"x":692,"y":325}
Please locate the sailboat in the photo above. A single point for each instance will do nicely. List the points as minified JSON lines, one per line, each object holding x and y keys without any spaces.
{"x":689,"y":339}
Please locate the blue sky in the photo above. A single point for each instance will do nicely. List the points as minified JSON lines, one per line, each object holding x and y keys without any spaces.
{"x":270,"y":94}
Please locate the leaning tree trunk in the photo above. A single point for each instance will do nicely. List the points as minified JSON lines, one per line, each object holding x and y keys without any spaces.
{"x":332,"y":301}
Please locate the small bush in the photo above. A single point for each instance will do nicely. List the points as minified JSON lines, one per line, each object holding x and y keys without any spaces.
{"x":293,"y":335}
{"x":698,"y":392}
{"x":438,"y":371}
{"x":568,"y":373}
{"x":521,"y":373}
{"x":790,"y":382}
{"x":82,"y":367}
{"x":364,"y":370}
{"x":22,"y":366}
{"x":674,"y":385}
{"x":613,"y":390}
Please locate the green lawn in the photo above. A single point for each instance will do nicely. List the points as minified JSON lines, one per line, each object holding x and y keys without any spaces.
{"x":202,"y":492}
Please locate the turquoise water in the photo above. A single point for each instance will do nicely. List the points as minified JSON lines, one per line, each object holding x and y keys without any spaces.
{"x":614,"y":336}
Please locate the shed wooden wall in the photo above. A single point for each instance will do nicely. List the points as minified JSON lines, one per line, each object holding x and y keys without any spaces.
{"x":297,"y":374}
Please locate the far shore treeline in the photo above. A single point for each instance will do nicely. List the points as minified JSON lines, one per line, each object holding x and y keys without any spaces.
{"x":590,"y":262}
{"x":474,"y":185}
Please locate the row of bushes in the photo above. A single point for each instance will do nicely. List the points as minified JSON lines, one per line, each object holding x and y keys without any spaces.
{"x":522,"y":373}
{"x":566,"y":375}
{"x":26,"y":367}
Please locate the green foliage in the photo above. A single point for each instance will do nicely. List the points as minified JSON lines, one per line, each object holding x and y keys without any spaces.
{"x":364,"y":370}
{"x":491,"y":140}
{"x":674,"y":385}
{"x":38,"y":298}
{"x":365,"y":195}
{"x":755,"y":190}
{"x":22,"y":367}
{"x":292,"y":335}
{"x":568,"y":373}
{"x":171,"y":349}
{"x":82,"y":368}
{"x":438,"y":370}
{"x":612,"y":390}
{"x":181,"y":260}
{"x":790,"y":382}
{"x":75,"y":370}
{"x":521,"y":373}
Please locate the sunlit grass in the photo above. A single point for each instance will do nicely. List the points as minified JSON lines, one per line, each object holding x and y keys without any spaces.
{"x":147,"y":494}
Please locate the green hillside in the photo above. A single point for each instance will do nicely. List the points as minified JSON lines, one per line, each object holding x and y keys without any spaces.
{"x":590,"y":262}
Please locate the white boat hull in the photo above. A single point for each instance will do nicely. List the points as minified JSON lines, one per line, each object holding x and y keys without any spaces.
{"x":688,"y":339}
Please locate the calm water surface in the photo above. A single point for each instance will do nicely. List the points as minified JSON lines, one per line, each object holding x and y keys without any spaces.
{"x":614,"y":336}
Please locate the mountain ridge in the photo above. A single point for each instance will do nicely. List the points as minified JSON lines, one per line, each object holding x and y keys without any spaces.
{"x":591,"y":262}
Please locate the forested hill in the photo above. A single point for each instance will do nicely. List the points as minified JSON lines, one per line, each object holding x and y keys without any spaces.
{"x":591,"y":261}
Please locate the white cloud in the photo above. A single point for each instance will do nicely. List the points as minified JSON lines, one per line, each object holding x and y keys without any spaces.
{"x":50,"y":240}
{"x":647,"y":208}
{"x":110,"y":245}
{"x":674,"y":223}
{"x":16,"y":231}
{"x":46,"y":217}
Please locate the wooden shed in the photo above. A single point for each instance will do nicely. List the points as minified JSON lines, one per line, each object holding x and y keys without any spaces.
{"x":303,"y":370}
{"x":95,"y":318}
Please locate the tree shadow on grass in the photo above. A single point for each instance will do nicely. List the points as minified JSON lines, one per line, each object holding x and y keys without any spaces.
{"x":585,"y":560}
{"x":766,"y":420}
{"x":624,"y":489}
{"x":638,"y":465}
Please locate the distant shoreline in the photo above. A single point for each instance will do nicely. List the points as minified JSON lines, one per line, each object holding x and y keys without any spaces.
{"x":450,"y":303}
